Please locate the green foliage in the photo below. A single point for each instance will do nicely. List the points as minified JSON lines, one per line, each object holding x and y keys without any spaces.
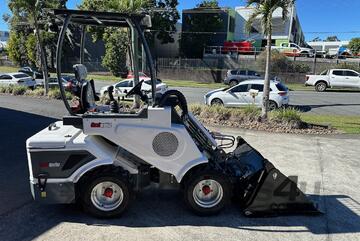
{"x":31,"y":48}
{"x":13,"y":89}
{"x":16,"y":47}
{"x":19,"y":89}
{"x":280,"y":63}
{"x":55,"y":93}
{"x":345,"y":65}
{"x":286,"y":115}
{"x":354,"y":45}
{"x":263,"y":10}
{"x":208,"y":4}
{"x":299,"y":68}
{"x":163,"y":22}
{"x":39,"y":91}
{"x":332,"y":38}
{"x":204,"y":24}
{"x":116,"y":44}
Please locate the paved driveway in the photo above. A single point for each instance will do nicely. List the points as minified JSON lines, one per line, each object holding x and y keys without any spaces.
{"x":331,"y":162}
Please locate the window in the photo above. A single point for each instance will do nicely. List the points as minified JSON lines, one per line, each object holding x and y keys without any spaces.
{"x":350,"y":73}
{"x":281,"y":87}
{"x":258,"y":87}
{"x":242,"y":72}
{"x":148,"y":82}
{"x":338,"y":72}
{"x":20,"y":76}
{"x":253,"y":73}
{"x":325,"y":72}
{"x":239,"y":88}
{"x":5,"y":76}
{"x":122,"y":84}
{"x":233,"y":72}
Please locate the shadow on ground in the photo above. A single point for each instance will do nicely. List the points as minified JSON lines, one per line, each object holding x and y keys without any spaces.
{"x":23,"y":219}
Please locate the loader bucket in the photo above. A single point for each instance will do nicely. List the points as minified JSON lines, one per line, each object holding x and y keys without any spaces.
{"x":269,"y":192}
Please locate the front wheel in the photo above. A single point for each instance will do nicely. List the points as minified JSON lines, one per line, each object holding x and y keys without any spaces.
{"x":206,"y":193}
{"x":106,"y":196}
{"x":233,"y":83}
{"x":217,"y":101}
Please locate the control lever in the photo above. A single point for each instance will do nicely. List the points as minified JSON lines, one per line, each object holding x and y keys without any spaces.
{"x":114,"y":107}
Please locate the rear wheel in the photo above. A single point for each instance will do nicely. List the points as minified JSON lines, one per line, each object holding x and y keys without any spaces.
{"x":320,"y":86}
{"x":206,"y":192}
{"x":272,"y":105}
{"x":106,"y":195}
{"x":217,"y":101}
{"x":233,"y":83}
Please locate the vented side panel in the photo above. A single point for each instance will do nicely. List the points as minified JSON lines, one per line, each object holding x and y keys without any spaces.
{"x":165,"y":144}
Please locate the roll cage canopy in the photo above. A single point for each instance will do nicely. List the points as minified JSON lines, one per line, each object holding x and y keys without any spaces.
{"x":105,"y":19}
{"x":135,"y":21}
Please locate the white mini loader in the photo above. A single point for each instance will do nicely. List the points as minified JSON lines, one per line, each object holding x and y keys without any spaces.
{"x":100,"y":155}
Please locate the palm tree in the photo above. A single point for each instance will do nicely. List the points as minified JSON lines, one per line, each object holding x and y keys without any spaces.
{"x":32,"y":9}
{"x":263,"y":10}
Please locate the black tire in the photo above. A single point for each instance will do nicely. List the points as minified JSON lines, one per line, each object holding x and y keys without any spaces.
{"x":233,"y":83}
{"x":91,"y":183}
{"x":220,"y":200}
{"x":320,"y":86}
{"x":272,"y":105}
{"x":217,"y":101}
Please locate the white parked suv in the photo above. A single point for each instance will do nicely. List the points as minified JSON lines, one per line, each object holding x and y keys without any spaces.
{"x":243,"y":94}
{"x":338,"y":78}
{"x":17,"y":79}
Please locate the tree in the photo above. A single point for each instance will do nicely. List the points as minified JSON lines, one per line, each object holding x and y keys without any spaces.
{"x":332,"y":39}
{"x":164,"y":19}
{"x":199,"y":29}
{"x":354,"y":45}
{"x":16,"y":47}
{"x":263,"y":10}
{"x":208,"y":4}
{"x":116,"y":44}
{"x":29,"y":12}
{"x":317,"y":39}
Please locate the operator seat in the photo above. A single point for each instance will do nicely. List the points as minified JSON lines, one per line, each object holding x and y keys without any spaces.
{"x":80,"y":72}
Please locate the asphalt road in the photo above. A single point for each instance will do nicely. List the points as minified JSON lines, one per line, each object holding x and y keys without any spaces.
{"x":328,"y":103}
{"x":332,"y":162}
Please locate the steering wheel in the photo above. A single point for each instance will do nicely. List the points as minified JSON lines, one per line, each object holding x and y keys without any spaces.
{"x":136,"y":90}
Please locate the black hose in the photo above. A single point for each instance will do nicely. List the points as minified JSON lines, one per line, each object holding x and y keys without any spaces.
{"x":180,"y":98}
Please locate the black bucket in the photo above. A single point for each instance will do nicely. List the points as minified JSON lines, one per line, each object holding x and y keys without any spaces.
{"x":262,"y":190}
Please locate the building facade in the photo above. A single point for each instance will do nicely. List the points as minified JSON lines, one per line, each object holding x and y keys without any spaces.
{"x":288,"y":30}
{"x":206,"y":27}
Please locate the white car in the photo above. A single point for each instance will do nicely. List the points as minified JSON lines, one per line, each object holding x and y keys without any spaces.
{"x":122,"y":88}
{"x":249,"y":92}
{"x":338,"y":78}
{"x":17,"y":79}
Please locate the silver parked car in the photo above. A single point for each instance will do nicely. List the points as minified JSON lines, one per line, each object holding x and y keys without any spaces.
{"x":235,"y":76}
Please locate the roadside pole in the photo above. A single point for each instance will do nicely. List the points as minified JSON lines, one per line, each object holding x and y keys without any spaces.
{"x":314,"y":63}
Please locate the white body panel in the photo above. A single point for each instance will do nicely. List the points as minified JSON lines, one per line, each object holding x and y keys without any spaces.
{"x":336,"y":78}
{"x":136,"y":135}
{"x":75,"y":140}
{"x":231,"y":98}
{"x":17,"y":79}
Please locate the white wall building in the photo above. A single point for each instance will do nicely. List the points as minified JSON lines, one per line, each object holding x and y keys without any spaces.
{"x":283,"y":31}
{"x":326,"y":45}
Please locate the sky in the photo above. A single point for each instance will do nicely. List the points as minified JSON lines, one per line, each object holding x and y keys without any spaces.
{"x":318,"y":18}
